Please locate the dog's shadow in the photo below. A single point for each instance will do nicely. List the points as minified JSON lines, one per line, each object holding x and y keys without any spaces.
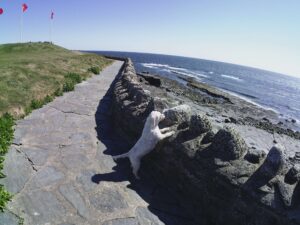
{"x":161,"y":203}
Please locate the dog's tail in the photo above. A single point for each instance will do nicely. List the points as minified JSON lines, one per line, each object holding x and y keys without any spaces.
{"x":116,"y":157}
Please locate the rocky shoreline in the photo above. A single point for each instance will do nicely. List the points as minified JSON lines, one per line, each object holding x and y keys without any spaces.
{"x":230,"y":161}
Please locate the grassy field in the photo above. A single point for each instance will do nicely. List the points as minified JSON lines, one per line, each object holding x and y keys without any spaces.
{"x":31,"y":71}
{"x":31,"y":75}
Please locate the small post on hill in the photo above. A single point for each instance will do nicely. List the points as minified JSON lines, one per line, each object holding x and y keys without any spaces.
{"x":51,"y":26}
{"x":23,"y":9}
{"x":21,"y":26}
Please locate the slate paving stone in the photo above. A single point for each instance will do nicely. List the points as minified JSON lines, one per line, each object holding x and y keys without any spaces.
{"x":75,"y":162}
{"x":17,"y":169}
{"x":41,"y":207}
{"x":108,"y":201}
{"x":85,"y":179}
{"x":37,"y":155}
{"x":73,"y":196}
{"x":145,"y":217}
{"x":125,"y":221}
{"x":47,"y":176}
{"x":7,"y":218}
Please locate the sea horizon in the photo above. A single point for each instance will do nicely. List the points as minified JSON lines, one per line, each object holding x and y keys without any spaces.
{"x":266,"y":89}
{"x":198,"y":58}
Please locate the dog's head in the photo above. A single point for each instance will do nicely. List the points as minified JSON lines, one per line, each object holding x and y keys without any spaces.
{"x":155,"y":117}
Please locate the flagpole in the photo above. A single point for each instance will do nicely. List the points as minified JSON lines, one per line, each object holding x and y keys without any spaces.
{"x":51,"y":25}
{"x":21,"y":26}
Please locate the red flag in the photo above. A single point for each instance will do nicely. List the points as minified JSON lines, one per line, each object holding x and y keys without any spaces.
{"x":52,"y":15}
{"x":1,"y":11}
{"x":24,"y":7}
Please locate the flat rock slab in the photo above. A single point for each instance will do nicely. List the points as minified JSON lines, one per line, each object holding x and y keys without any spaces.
{"x":55,"y":155}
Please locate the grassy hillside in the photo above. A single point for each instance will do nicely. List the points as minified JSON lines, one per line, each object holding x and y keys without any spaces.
{"x":31,"y":71}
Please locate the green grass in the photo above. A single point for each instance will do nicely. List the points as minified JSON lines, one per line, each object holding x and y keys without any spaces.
{"x":31,"y":71}
{"x":6,"y":132}
{"x":31,"y":75}
{"x":6,"y":136}
{"x":94,"y":70}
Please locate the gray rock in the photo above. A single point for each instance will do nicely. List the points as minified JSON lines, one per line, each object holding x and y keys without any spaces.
{"x":177,"y":115}
{"x":208,"y":137}
{"x":293,"y":174}
{"x":200,"y":124}
{"x":286,"y":192}
{"x":255,"y":155}
{"x":108,"y":200}
{"x":274,"y":161}
{"x":73,"y":196}
{"x":228,"y":144}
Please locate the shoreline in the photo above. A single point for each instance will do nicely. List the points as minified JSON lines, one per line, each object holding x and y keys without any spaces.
{"x":258,"y":116}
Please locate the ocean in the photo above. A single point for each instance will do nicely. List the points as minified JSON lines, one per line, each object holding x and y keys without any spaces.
{"x":275,"y":91}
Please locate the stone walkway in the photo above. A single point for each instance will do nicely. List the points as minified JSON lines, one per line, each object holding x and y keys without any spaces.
{"x":61,"y":171}
{"x":56,"y":164}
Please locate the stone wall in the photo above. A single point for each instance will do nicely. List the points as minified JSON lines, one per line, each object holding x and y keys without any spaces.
{"x":220,"y":178}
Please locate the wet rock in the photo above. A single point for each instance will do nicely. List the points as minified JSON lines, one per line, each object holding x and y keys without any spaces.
{"x":228,"y":144}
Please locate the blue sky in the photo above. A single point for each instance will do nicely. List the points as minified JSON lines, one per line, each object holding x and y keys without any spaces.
{"x":258,"y":33}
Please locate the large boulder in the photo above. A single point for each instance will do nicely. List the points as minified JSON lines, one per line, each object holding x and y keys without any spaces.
{"x":228,"y":145}
{"x":200,"y":124}
{"x":177,"y":115}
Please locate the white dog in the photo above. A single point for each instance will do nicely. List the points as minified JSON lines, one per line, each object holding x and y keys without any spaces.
{"x":150,"y":137}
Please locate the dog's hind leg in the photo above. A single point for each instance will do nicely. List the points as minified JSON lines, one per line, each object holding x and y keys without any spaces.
{"x":120,"y":156}
{"x":135,"y":163}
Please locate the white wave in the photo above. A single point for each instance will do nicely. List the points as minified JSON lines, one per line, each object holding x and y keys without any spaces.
{"x":189,"y":74}
{"x":172,"y":69}
{"x":166,"y":66}
{"x":211,"y":72}
{"x":231,"y":77}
